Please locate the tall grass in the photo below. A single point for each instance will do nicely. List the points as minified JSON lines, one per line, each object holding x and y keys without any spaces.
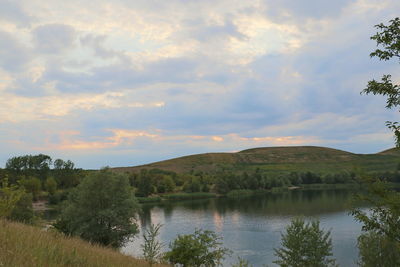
{"x":23,"y":245}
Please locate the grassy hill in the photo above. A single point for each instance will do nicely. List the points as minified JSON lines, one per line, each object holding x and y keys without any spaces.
{"x":280,"y":160}
{"x":23,"y":245}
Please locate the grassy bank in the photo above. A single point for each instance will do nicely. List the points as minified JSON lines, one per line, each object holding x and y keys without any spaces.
{"x":330,"y":186}
{"x":188,"y":196}
{"x":240,"y":193}
{"x":23,"y":245}
{"x":149,"y":199}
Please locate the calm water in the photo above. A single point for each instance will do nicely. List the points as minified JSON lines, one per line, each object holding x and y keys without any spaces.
{"x":251,"y":227}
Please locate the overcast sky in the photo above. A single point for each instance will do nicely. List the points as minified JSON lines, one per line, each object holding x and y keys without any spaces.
{"x":128,"y":82}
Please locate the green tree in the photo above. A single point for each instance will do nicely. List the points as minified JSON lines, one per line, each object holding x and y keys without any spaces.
{"x":388,"y":41}
{"x":152,"y":247}
{"x":203,"y":248}
{"x":377,"y":250}
{"x":145,"y":187}
{"x":32,"y":185}
{"x":380,"y":241}
{"x":101,"y":210}
{"x":29,"y":165}
{"x":65,"y":173}
{"x":305,"y":244}
{"x":169,"y":184}
{"x":50,"y":185}
{"x":10,"y":195}
{"x":23,"y":211}
{"x":383,"y":216}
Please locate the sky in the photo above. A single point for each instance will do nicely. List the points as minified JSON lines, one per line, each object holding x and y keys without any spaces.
{"x":123,"y":83}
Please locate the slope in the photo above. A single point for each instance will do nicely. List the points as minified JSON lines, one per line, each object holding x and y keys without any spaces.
{"x":279,"y":160}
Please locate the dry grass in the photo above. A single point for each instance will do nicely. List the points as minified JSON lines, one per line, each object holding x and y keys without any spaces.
{"x":23,"y":245}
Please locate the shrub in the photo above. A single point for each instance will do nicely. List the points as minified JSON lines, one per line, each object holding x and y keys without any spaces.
{"x":203,"y":248}
{"x":305,"y":244}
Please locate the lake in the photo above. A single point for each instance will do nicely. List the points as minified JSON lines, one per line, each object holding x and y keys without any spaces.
{"x":251,"y":227}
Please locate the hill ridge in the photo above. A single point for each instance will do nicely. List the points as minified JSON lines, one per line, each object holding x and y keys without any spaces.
{"x":276,"y":159}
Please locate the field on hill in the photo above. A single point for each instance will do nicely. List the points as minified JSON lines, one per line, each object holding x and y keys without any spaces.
{"x":278,"y":160}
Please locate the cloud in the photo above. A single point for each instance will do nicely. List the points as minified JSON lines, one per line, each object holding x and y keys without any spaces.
{"x":12,"y":11}
{"x":317,"y":9}
{"x":18,"y":109}
{"x":54,"y":38}
{"x":14,"y":56}
{"x":147,"y":81}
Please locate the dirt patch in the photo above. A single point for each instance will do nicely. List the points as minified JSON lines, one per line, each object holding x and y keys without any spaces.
{"x":40,"y":206}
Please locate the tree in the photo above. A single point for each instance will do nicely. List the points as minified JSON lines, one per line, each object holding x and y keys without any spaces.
{"x":32,"y":185}
{"x":65,"y":173}
{"x":305,"y":244}
{"x":152,"y":247}
{"x":50,"y":185}
{"x":10,"y":195}
{"x":383,"y":216}
{"x":28,"y":165}
{"x":377,"y":250}
{"x":145,"y":187}
{"x":23,"y":211}
{"x":203,"y":248}
{"x":101,"y":210}
{"x":388,"y":38}
{"x":380,"y":242}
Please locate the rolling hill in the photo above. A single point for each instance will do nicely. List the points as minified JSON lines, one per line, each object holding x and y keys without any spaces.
{"x":279,"y":160}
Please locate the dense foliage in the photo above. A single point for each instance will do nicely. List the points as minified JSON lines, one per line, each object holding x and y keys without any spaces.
{"x":305,"y":244}
{"x":32,"y":170}
{"x":377,"y":250}
{"x":203,"y":248}
{"x":101,"y":209}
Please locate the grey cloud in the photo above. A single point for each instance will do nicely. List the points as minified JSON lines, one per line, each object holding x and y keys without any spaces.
{"x":122,"y":75}
{"x":96,"y":42}
{"x":299,"y":10}
{"x":54,"y":38}
{"x":199,"y":30}
{"x":12,"y":11}
{"x":13,"y":55}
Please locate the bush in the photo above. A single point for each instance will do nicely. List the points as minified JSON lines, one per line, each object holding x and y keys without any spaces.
{"x":58,"y":197}
{"x":10,"y":195}
{"x":305,"y":245}
{"x":23,"y":211}
{"x":203,"y":248}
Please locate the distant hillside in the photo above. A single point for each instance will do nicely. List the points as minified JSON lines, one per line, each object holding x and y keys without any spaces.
{"x":279,"y":160}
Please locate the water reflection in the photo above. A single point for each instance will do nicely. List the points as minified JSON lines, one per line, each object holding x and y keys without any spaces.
{"x":251,"y":226}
